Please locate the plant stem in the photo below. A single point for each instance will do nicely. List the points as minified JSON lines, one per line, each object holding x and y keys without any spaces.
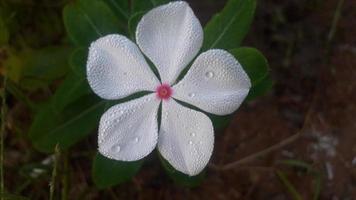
{"x":258,"y":154}
{"x":295,"y":194}
{"x":333,"y":28}
{"x":52,"y":184}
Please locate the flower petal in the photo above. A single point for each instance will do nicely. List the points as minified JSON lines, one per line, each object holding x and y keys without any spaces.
{"x":116,"y":68}
{"x":171,"y":36}
{"x":186,"y":138}
{"x":216,"y":83}
{"x":128,"y":131}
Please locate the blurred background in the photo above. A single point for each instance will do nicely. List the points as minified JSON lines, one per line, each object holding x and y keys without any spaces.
{"x":304,"y":129}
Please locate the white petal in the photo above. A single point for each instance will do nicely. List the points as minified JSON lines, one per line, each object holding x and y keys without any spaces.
{"x":128,"y":131}
{"x":116,"y":68}
{"x":216,"y":83}
{"x":170,"y":36}
{"x":186,"y":138}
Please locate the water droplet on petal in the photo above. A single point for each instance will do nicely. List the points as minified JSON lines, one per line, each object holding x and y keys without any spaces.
{"x":191,"y":95}
{"x":200,"y":142}
{"x":209,"y":74}
{"x":136,"y":139}
{"x":192,"y":134}
{"x":116,"y":148}
{"x":190,"y":142}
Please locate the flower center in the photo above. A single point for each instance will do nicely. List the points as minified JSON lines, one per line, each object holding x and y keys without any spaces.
{"x":164,"y":91}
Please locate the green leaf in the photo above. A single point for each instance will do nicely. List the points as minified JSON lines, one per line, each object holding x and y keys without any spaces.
{"x":4,"y":32}
{"x":291,"y":189}
{"x":32,"y":69}
{"x":253,"y":62}
{"x":75,"y":85}
{"x":227,"y":28}
{"x":264,"y":86}
{"x":220,"y":122}
{"x":256,"y":67}
{"x":179,"y":177}
{"x":133,"y":21}
{"x":120,"y":8}
{"x":87,"y":20}
{"x":107,"y":172}
{"x":72,"y":88}
{"x":145,"y":5}
{"x":67,"y":127}
{"x":15,"y":91}
{"x":12,"y":197}
{"x":78,"y":61}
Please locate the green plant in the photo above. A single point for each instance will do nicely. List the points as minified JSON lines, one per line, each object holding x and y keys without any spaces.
{"x":73,"y":111}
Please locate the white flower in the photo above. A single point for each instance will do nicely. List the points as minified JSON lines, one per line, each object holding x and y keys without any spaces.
{"x":170,"y":36}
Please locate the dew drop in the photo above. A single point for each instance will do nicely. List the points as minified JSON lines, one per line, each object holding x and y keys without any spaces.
{"x":190,"y":142}
{"x":116,"y":148}
{"x":200,"y":142}
{"x":191,"y":95}
{"x":209,"y":74}
{"x":192,"y":134}
{"x":136,"y":139}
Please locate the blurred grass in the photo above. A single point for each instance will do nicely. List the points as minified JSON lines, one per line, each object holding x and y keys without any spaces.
{"x":2,"y":134}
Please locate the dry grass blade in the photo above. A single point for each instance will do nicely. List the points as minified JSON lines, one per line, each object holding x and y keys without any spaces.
{"x":52,"y":184}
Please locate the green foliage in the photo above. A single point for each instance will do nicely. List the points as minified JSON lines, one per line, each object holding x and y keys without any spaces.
{"x":121,"y":9}
{"x":4,"y":32}
{"x":145,"y":5}
{"x":291,"y":189}
{"x":256,"y":67}
{"x":32,"y":69}
{"x":133,"y":21}
{"x":12,"y":197}
{"x":180,"y":178}
{"x":68,"y":126}
{"x":75,"y":85}
{"x":107,"y":172}
{"x":77,"y":61}
{"x":227,"y":28}
{"x":71,"y":89}
{"x":87,"y":20}
{"x":310,"y":170}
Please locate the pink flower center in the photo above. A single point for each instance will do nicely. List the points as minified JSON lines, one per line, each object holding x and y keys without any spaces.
{"x":164,"y":91}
